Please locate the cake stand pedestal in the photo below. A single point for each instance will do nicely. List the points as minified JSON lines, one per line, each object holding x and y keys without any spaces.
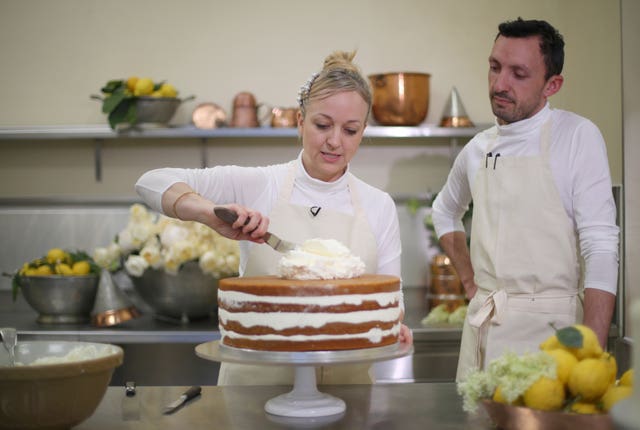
{"x":304,"y":400}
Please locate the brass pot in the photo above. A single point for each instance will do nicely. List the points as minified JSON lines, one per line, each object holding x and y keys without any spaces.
{"x":400,"y":98}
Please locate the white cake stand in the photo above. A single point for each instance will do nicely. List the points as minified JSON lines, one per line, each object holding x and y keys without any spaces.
{"x":304,"y":400}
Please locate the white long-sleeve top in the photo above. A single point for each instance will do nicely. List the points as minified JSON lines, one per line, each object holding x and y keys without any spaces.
{"x":580,"y":169}
{"x":258,"y":188}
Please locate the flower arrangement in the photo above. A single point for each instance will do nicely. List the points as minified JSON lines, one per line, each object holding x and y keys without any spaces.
{"x":155,"y":241}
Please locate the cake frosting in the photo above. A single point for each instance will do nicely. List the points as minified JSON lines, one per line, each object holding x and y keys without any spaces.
{"x":320,"y":259}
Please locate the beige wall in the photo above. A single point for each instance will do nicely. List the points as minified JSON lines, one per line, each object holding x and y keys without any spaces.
{"x":56,"y":53}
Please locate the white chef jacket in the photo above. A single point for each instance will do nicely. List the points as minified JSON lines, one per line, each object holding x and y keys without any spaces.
{"x":579,"y":165}
{"x":257,"y":188}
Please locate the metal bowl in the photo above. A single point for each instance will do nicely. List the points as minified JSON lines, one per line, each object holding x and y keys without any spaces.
{"x":60,"y":299}
{"x":48,"y":396}
{"x":509,"y":417}
{"x":190,"y":294}
{"x":400,"y":98}
{"x":156,"y":110}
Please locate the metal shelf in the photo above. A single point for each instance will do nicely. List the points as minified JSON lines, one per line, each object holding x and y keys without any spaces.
{"x":103,"y":131}
{"x":98,"y":133}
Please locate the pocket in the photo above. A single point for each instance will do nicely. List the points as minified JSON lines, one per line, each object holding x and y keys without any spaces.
{"x":523,"y":330}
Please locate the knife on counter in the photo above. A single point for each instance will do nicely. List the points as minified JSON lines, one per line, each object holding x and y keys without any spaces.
{"x":280,"y":245}
{"x":184,"y":397}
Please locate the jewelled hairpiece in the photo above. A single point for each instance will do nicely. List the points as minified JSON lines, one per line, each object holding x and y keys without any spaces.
{"x":303,"y":94}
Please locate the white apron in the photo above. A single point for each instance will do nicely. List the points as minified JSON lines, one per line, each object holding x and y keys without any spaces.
{"x":524,"y":253}
{"x":297,"y":224}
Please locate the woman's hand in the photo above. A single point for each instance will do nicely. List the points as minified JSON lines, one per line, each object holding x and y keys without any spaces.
{"x":250,"y":225}
{"x":406,"y":336}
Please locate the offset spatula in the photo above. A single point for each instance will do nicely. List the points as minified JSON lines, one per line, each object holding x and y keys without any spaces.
{"x":272,"y":240}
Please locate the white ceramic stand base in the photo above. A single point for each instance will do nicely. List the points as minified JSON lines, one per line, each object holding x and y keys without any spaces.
{"x":305,"y":400}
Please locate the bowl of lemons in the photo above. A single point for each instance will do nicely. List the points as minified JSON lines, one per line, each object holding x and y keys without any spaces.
{"x":569,"y":383}
{"x":61,"y":286}
{"x":139,"y":101}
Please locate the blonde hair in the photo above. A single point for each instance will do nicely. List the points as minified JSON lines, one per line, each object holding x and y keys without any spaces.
{"x":338,"y":74}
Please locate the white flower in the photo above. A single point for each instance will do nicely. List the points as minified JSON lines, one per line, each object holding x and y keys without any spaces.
{"x":108,"y":257}
{"x":151,"y":254}
{"x":149,"y":240}
{"x":173,"y":233}
{"x":136,"y":265}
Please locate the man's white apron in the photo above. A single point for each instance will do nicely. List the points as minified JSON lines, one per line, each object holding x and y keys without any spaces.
{"x":297,"y":224}
{"x":525,"y":259}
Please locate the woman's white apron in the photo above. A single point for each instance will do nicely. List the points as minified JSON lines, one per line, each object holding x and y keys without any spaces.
{"x":525,"y":258}
{"x":297,"y":224}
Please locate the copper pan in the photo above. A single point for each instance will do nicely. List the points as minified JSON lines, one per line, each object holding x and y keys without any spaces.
{"x":400,"y":98}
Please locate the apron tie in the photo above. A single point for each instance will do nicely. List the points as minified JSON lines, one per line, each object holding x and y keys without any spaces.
{"x":495,"y":303}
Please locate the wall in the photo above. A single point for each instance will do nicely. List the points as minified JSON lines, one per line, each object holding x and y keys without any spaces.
{"x":56,"y":53}
{"x":631,"y":103}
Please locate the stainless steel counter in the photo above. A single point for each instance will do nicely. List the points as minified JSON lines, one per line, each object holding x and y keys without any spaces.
{"x":152,"y":346}
{"x":386,"y":406}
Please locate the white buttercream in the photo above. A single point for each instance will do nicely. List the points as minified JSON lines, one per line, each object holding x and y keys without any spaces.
{"x":285,"y":320}
{"x":320,"y":259}
{"x":234,"y":298}
{"x":375,"y":335}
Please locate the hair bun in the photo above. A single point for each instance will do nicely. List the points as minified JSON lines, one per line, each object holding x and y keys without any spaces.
{"x":341,"y":60}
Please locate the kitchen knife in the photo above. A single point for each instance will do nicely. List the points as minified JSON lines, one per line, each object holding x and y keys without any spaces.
{"x":187,"y":395}
{"x":229,"y":216}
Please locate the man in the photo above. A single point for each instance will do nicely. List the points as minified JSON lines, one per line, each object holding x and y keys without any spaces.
{"x":541,"y":191}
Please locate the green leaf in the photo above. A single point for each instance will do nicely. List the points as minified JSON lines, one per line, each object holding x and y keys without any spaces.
{"x":15,"y":286}
{"x":122,"y":112}
{"x":112,"y":102}
{"x":113,"y":85}
{"x":570,"y":337}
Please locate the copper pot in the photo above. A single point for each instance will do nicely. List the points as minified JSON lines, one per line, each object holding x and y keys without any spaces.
{"x":284,"y":117}
{"x":245,"y":110}
{"x":400,"y":98}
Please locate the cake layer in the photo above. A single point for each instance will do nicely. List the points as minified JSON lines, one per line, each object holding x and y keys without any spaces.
{"x":274,"y":286}
{"x":309,"y":345}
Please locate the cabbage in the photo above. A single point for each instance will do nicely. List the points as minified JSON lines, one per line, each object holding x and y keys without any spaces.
{"x":513,"y":373}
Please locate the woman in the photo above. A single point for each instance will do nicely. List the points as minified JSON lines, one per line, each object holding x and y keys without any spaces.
{"x":312,"y":196}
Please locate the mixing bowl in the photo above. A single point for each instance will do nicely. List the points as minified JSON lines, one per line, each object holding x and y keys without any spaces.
{"x":190,"y":294}
{"x":400,"y":98}
{"x":156,"y":110}
{"x":57,"y":395}
{"x":60,"y":299}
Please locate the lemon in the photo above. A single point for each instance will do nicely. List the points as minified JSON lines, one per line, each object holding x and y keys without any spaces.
{"x":24,"y":268}
{"x":614,"y":394}
{"x":63,"y":269}
{"x":565,"y":361}
{"x":626,"y":379}
{"x":590,"y":345}
{"x":131,"y":83}
{"x":551,"y":342}
{"x":30,"y":272}
{"x":143,"y":87}
{"x":56,"y":255}
{"x":584,"y":408}
{"x":81,"y":268}
{"x":545,"y":394}
{"x":43,"y":270}
{"x":499,"y":397}
{"x":168,"y":90}
{"x":157,"y":93}
{"x":612,"y":365}
{"x":589,"y":379}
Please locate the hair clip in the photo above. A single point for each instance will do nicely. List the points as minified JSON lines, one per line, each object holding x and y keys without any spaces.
{"x":306,"y":88}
